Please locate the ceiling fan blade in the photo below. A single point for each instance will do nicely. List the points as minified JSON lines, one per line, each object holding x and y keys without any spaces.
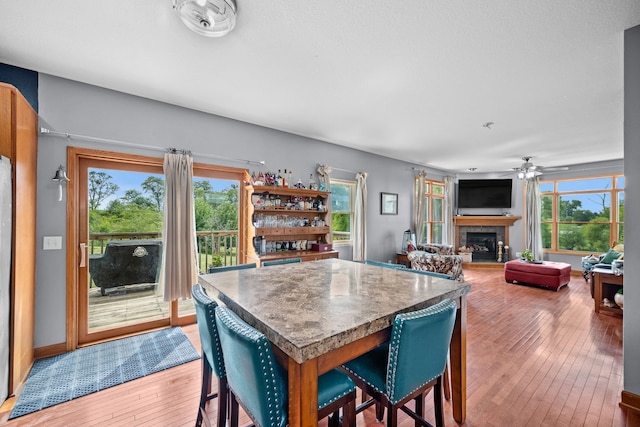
{"x":557,"y":168}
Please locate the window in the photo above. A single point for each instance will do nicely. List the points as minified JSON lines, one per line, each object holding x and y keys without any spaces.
{"x":432,"y":229}
{"x":342,"y":202}
{"x":582,"y":215}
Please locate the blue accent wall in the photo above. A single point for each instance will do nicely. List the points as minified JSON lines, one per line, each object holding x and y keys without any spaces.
{"x":26,"y":81}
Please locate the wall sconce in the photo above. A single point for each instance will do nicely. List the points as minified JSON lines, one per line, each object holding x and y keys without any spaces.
{"x":61,"y":177}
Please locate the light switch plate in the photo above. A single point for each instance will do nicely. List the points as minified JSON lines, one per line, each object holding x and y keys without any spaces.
{"x":51,"y":243}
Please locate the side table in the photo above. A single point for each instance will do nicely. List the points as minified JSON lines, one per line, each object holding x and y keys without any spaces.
{"x":605,"y":284}
{"x":401,"y":258}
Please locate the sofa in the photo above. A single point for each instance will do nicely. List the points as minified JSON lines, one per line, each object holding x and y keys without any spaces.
{"x":126,"y":262}
{"x":437,"y":258}
{"x":603,"y":261}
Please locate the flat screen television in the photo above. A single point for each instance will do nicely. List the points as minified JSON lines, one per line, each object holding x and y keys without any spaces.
{"x":484,"y":193}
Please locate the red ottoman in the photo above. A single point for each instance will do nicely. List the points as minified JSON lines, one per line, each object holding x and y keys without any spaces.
{"x":549,"y":274}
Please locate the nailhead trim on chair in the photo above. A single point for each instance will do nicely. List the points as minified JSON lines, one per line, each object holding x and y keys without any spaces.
{"x":198,"y":292}
{"x":393,"y":347}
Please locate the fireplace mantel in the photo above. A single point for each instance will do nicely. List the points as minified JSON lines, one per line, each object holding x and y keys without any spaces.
{"x":488,"y":220}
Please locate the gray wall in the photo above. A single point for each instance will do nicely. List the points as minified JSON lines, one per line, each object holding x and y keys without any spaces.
{"x":631,"y":334}
{"x":76,"y":108}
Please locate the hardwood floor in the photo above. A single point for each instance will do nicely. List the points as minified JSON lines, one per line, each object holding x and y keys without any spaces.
{"x":534,"y":358}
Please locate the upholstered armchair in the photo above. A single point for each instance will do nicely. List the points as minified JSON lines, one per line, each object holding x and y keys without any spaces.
{"x":451,"y":265}
{"x":436,"y":248}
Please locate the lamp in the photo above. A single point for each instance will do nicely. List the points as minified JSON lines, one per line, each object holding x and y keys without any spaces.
{"x":209,"y":18}
{"x":61,"y":177}
{"x":408,"y":241}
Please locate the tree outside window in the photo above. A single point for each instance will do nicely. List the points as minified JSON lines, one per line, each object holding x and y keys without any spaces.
{"x":432,"y":230}
{"x":578,"y":215}
{"x":342,"y":202}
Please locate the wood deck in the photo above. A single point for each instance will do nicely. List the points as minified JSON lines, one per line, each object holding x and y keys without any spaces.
{"x":535,"y":357}
{"x":128,"y":305}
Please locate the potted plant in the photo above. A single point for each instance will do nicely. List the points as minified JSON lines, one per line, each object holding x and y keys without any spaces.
{"x":619,"y":298}
{"x":527,"y":255}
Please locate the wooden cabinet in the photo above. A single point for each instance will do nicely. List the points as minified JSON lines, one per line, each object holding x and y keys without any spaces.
{"x":605,"y":285}
{"x":18,"y":142}
{"x":284,"y":222}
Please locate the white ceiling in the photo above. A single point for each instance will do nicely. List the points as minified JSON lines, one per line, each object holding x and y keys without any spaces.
{"x":413,"y":80}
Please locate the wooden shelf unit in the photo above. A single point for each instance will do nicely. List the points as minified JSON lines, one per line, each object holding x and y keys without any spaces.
{"x":605,"y":285}
{"x":285,"y":195}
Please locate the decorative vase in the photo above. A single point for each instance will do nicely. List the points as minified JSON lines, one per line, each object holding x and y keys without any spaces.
{"x":619,"y":299}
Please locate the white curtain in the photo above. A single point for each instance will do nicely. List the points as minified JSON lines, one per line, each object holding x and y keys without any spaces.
{"x":179,"y":256}
{"x":323,"y":175}
{"x":418,"y":207}
{"x":449,"y":227}
{"x":359,"y":222}
{"x":533,"y":233}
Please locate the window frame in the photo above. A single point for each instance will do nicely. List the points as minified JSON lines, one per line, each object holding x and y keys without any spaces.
{"x":428,"y":222}
{"x":351,"y":212}
{"x":615,"y":224}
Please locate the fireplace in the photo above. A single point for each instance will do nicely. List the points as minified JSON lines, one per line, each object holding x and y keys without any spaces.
{"x":498,"y":225}
{"x":485,"y":247}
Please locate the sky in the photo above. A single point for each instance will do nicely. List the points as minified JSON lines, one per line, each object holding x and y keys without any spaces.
{"x":126,"y":180}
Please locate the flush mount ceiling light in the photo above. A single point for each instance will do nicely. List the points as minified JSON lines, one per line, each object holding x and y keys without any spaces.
{"x":210,"y":18}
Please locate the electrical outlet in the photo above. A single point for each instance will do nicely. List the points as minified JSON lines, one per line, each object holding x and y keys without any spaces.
{"x":51,"y":243}
{"x":518,"y":254}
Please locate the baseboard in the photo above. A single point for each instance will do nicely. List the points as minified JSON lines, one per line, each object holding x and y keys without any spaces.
{"x":630,"y":401}
{"x":49,"y":350}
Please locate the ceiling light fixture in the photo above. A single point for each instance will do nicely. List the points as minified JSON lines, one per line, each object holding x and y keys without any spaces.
{"x":209,"y":18}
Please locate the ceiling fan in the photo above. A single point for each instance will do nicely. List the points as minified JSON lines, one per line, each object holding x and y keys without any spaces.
{"x":528,"y":170}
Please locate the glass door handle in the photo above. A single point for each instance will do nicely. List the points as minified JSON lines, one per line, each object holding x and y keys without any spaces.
{"x":83,"y":255}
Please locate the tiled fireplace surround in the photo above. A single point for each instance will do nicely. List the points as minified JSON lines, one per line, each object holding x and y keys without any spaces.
{"x":483,"y":224}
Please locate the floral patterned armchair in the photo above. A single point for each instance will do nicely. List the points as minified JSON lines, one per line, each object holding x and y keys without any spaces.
{"x":451,"y":265}
{"x":436,"y":248}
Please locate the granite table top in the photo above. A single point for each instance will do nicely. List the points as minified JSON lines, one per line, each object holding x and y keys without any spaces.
{"x":308,"y":309}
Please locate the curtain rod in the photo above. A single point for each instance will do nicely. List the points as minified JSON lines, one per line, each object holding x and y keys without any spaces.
{"x":46,"y":131}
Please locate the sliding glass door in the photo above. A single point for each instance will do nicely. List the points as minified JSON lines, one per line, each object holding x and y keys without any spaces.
{"x":115,"y":241}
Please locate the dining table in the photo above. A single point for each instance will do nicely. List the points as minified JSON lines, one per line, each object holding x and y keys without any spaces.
{"x":321,"y":314}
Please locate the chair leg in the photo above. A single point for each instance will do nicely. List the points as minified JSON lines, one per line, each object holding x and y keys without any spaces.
{"x":379,"y":411}
{"x":234,"y":410}
{"x":349,"y":414}
{"x":205,"y":388}
{"x":419,"y":408}
{"x":223,"y":396}
{"x":447,"y":386}
{"x":437,"y":402}
{"x":392,"y":415}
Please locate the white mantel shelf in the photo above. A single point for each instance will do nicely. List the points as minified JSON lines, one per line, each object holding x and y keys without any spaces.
{"x":488,"y":220}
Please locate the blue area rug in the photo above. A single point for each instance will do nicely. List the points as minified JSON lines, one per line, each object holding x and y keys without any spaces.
{"x":71,"y":375}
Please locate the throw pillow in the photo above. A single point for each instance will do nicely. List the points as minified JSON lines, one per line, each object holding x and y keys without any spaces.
{"x":610,"y":256}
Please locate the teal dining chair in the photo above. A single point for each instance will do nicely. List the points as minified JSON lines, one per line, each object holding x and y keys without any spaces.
{"x":281,"y":261}
{"x":259,"y":384}
{"x":231,"y":267}
{"x":212,"y":361}
{"x":431,"y":273}
{"x":385,"y":264}
{"x":410,"y":364}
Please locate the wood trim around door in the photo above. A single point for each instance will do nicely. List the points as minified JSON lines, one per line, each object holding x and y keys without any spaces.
{"x":74,"y":207}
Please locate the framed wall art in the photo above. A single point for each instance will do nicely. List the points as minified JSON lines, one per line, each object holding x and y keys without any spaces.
{"x":388,"y":204}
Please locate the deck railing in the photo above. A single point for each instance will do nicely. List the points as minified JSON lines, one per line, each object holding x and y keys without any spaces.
{"x":215,"y":248}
